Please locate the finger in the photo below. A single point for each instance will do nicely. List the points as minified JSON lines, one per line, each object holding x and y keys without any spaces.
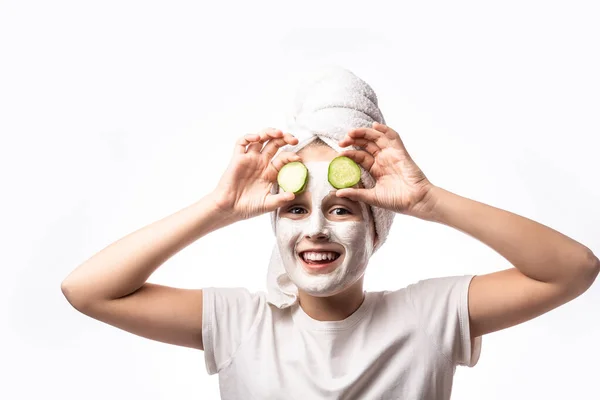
{"x":363,"y":195}
{"x":274,"y":201}
{"x":361,"y":157}
{"x":290,"y":139}
{"x":283,"y":158}
{"x":368,"y":145}
{"x":369,"y":134}
{"x":265,"y":134}
{"x":278,"y":162}
{"x":241,"y":143}
{"x":274,"y":145}
{"x":391,"y":134}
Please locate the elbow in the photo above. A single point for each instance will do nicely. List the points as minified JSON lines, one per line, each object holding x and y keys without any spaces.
{"x":590,"y":267}
{"x":67,"y":291}
{"x":594,"y":266}
{"x":73,"y":294}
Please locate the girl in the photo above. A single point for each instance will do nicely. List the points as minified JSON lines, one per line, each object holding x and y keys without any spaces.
{"x":317,"y":334}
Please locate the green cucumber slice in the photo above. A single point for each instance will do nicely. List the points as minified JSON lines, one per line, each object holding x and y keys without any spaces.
{"x":343,"y":172}
{"x":292,"y":177}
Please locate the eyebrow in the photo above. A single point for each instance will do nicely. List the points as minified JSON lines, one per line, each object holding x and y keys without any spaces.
{"x":332,"y":195}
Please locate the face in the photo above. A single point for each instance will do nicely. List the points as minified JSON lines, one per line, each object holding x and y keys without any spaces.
{"x":325,"y":241}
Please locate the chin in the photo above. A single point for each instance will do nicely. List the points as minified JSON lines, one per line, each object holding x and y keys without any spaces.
{"x":328,"y":293}
{"x":327,"y":281}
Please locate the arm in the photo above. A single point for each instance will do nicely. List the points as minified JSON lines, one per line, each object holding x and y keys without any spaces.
{"x":550,"y":268}
{"x":111,"y":286}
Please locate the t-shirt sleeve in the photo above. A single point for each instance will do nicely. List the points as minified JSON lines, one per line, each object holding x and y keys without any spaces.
{"x":229,"y":315}
{"x":442,"y":307}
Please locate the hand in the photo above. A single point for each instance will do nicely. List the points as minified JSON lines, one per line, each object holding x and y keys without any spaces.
{"x":245,"y":188}
{"x":400,"y":185}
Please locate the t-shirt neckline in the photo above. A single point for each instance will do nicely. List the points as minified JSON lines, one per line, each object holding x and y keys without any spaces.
{"x":307,"y":322}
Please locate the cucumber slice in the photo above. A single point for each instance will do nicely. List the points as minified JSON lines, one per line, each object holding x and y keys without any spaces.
{"x":292,"y":177}
{"x":343,"y":172}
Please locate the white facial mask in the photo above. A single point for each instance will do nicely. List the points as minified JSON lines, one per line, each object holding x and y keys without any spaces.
{"x":355,"y":236}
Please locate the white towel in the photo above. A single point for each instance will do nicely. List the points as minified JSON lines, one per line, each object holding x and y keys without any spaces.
{"x":328,"y":104}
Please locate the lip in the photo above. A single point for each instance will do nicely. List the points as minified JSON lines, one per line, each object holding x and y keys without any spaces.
{"x":320,"y":268}
{"x":319,"y":249}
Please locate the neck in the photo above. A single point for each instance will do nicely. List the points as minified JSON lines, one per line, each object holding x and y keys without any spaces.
{"x":333,"y":308}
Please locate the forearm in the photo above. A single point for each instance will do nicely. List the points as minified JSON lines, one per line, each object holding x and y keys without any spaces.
{"x":536,"y":250}
{"x":125,"y":265}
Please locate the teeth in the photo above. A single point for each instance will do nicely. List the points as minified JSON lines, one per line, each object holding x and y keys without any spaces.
{"x":319,"y":256}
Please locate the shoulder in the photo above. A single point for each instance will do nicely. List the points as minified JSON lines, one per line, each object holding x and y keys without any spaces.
{"x":425,"y":288}
{"x":440,"y":310}
{"x":439,"y":289}
{"x":233,"y":293}
{"x":233,"y":297}
{"x":424,"y":299}
{"x":237,"y":304}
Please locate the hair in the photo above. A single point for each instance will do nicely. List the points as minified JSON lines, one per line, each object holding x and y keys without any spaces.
{"x":318,"y":142}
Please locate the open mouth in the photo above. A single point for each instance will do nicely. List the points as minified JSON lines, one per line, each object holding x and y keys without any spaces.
{"x":318,"y":260}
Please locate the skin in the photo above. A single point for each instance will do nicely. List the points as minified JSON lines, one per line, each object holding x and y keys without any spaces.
{"x":549,"y":270}
{"x":343,"y":304}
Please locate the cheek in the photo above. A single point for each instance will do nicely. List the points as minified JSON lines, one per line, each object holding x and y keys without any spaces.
{"x":288,"y":231}
{"x":350,"y":232}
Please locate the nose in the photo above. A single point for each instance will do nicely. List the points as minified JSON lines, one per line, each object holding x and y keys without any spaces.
{"x":318,"y":236}
{"x":317,"y":229}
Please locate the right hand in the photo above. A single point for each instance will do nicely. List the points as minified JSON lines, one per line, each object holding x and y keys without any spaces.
{"x":245,"y":188}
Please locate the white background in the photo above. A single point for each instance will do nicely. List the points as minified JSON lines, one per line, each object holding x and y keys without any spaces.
{"x":115,"y":114}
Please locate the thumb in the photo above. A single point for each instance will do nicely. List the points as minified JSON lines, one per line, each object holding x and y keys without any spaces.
{"x":274,"y":201}
{"x":364,"y":195}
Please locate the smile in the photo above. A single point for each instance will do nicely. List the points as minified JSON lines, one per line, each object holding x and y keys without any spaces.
{"x":319,"y":261}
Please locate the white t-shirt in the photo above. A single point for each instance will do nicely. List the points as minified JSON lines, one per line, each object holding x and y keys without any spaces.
{"x":401,"y":344}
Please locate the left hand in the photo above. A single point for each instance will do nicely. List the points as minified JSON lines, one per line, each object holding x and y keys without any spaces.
{"x":400,"y":185}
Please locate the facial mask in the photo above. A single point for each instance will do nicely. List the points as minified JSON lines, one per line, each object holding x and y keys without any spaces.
{"x":356,"y":237}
